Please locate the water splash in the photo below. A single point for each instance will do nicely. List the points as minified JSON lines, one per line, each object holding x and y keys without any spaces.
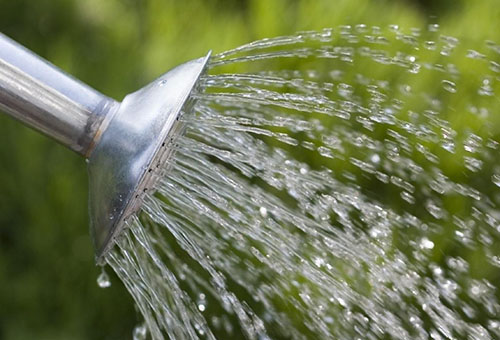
{"x":354,"y":197}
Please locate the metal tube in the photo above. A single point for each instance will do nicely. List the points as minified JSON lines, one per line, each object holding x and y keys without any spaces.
{"x":42,"y":96}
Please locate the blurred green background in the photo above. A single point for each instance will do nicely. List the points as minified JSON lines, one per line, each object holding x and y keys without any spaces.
{"x":48,"y":277}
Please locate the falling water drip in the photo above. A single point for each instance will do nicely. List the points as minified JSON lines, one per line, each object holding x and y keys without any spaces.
{"x":140,"y":332}
{"x":103,"y":280}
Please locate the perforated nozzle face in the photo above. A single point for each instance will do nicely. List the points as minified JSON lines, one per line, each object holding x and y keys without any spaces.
{"x":135,"y":142}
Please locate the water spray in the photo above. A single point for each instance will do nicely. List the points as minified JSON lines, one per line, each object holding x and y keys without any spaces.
{"x":124,"y":142}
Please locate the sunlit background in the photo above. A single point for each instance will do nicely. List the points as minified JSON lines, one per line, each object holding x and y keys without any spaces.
{"x":48,"y":277}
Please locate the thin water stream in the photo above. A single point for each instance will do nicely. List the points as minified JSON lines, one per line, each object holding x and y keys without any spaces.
{"x":341,"y":184}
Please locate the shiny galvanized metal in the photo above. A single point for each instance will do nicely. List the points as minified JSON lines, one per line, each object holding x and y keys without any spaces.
{"x":136,"y":143}
{"x":49,"y":100}
{"x":126,"y":143}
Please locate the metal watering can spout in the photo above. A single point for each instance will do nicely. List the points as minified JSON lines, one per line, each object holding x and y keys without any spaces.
{"x":125,"y":142}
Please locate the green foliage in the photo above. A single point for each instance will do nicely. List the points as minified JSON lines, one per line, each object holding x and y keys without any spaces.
{"x":47,"y":273}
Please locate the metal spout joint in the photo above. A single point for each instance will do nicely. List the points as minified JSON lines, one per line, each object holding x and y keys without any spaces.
{"x":45,"y":98}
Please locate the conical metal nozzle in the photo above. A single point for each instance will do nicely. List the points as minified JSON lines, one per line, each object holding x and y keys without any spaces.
{"x":134,"y":146}
{"x":125,"y":142}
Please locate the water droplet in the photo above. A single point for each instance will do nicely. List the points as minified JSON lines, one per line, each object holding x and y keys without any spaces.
{"x":430,"y":45}
{"x":140,"y":332}
{"x":328,"y":319}
{"x":492,"y":144}
{"x":472,"y":143}
{"x":448,"y":146}
{"x":446,"y":51}
{"x":382,"y":177}
{"x":263,"y":211}
{"x":163,"y":82}
{"x":345,"y":90}
{"x":449,"y":86}
{"x":103,"y":280}
{"x":433,"y":27}
{"x":326,"y":35}
{"x":394,"y":28}
{"x":495,"y":260}
{"x":303,"y":171}
{"x":425,"y":243}
{"x":494,"y":326}
{"x":405,"y":89}
{"x":342,"y":302}
{"x":434,"y":210}
{"x":375,"y":232}
{"x":336,"y":74}
{"x":495,"y":67}
{"x":201,"y":307}
{"x":473,"y":164}
{"x":375,"y":158}
{"x":414,"y":68}
{"x":361,"y":28}
{"x":476,"y":289}
{"x":457,"y":264}
{"x":486,"y":89}
{"x":474,"y":54}
{"x":318,"y":261}
{"x":495,"y":178}
{"x":437,"y":271}
{"x":408,"y":197}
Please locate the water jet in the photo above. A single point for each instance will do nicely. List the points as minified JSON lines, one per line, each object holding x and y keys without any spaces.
{"x":352,"y":196}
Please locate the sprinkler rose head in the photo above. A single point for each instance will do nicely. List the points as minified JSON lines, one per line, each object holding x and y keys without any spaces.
{"x":126,"y":143}
{"x":132,"y":149}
